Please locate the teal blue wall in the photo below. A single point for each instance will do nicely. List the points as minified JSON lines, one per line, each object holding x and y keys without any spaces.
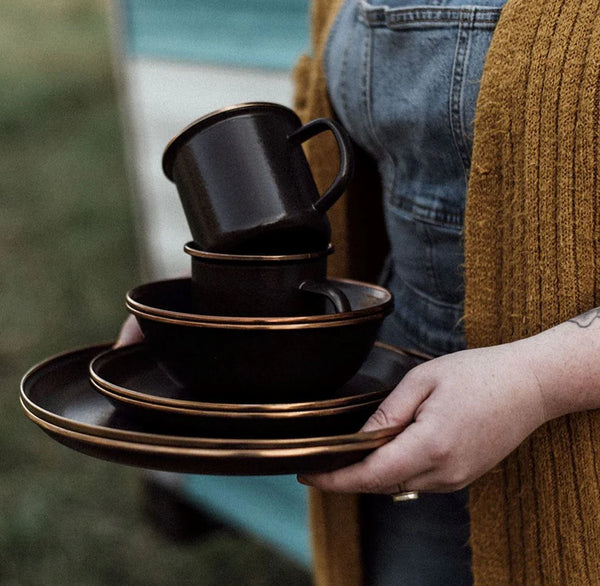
{"x":275,"y":508}
{"x":249,"y":33}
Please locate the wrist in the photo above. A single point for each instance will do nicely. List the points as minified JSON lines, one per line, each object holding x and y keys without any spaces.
{"x":564,"y":361}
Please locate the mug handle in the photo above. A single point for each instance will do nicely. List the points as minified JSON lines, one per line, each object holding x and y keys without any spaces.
{"x":346,"y":153}
{"x":337,"y":297}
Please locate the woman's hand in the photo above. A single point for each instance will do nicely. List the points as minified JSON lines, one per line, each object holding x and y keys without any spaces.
{"x":130,"y":333}
{"x":465,"y":412}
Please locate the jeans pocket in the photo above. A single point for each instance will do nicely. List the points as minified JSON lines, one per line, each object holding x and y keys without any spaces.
{"x":428,"y":256}
{"x":404,"y":80}
{"x":426,"y":279}
{"x":424,"y":69}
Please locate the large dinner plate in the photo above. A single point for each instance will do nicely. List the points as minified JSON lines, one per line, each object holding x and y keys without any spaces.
{"x":59,"y":397}
{"x":240,"y":461}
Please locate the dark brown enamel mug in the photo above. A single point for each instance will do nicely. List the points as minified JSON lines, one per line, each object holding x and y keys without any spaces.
{"x":269,"y":286}
{"x":245,"y":184}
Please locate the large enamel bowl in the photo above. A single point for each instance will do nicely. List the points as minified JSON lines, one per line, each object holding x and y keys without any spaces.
{"x":258,"y":359}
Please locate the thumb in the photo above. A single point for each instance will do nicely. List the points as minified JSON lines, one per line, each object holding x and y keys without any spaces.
{"x":401,"y":405}
{"x":130,"y":333}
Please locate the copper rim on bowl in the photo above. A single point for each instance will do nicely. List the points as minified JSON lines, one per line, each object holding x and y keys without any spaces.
{"x":380,"y":304}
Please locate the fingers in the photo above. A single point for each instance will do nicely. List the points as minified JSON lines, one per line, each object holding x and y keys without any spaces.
{"x":396,"y":461}
{"x":381,"y":471}
{"x":414,"y":460}
{"x":130,"y":333}
{"x":401,"y":406}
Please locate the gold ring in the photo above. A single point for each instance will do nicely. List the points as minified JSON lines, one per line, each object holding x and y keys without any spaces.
{"x":404,"y":495}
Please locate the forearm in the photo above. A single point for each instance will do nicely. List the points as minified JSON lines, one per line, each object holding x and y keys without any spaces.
{"x":565,"y":360}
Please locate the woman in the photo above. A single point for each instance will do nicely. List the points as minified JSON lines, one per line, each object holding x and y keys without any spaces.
{"x":521,"y":402}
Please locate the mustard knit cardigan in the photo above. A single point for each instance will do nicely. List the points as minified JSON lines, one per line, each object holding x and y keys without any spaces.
{"x":532,"y":246}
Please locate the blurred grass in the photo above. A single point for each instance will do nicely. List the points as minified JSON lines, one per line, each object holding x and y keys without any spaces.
{"x":67,"y":257}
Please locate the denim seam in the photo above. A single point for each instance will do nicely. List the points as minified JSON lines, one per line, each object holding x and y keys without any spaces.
{"x":422,"y":342}
{"x":425,"y":214}
{"x":433,"y":274}
{"x":428,"y":264}
{"x":427,"y":298}
{"x":454,"y":17}
{"x":366,"y":80}
{"x":457,"y":128}
{"x":383,"y":16}
{"x":344,"y":86}
{"x":327,"y":50}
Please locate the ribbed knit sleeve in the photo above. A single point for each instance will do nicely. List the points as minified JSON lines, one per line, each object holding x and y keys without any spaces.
{"x":532,"y":239}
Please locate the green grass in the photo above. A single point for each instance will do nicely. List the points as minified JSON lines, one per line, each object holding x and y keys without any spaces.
{"x":68,"y":255}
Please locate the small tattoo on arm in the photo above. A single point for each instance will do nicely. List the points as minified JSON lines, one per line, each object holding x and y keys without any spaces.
{"x":585,"y":319}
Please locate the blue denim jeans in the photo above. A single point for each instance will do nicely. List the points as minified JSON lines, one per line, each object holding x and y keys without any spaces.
{"x":403,"y":77}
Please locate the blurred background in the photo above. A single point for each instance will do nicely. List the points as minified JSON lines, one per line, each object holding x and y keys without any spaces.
{"x":90,"y":92}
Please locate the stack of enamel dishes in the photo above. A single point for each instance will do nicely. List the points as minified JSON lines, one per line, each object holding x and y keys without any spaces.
{"x":257,"y":363}
{"x":61,"y":397}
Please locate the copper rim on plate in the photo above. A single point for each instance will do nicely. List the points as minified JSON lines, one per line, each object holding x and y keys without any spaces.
{"x":74,"y":417}
{"x":231,"y":416}
{"x":218,"y":461}
{"x":106,"y":372}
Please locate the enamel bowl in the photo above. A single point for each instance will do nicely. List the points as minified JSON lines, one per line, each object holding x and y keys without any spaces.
{"x":231,"y":359}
